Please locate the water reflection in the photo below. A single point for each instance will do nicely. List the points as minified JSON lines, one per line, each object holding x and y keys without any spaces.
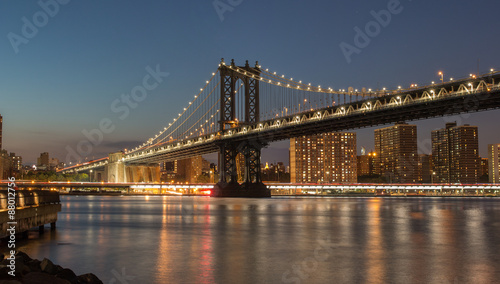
{"x":207,"y":240}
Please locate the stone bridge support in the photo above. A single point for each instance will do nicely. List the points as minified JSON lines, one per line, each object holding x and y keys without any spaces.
{"x":118,"y":171}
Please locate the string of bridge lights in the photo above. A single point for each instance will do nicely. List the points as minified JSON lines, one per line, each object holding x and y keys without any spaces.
{"x":282,"y":81}
{"x":161,"y":132}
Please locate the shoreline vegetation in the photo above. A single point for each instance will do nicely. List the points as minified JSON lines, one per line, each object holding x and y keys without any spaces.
{"x":28,"y":270}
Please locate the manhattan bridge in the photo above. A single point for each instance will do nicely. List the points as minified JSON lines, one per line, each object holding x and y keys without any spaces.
{"x":241,"y":109}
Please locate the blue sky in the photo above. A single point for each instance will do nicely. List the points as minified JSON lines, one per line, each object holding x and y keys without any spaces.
{"x":64,"y":79}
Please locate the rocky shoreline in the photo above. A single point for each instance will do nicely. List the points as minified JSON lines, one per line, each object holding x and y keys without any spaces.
{"x":34,"y":271}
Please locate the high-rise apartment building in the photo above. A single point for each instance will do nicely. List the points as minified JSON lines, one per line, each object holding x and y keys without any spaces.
{"x":455,"y":154}
{"x":43,"y":160}
{"x":190,"y":169}
{"x":396,"y":149}
{"x":424,"y":168}
{"x":16,"y":162}
{"x":366,"y":164}
{"x":494,"y":163}
{"x":329,"y":157}
{"x":1,"y":125}
{"x":483,"y":169}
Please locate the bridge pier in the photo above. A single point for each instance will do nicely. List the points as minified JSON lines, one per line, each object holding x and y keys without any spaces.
{"x":228,"y":185}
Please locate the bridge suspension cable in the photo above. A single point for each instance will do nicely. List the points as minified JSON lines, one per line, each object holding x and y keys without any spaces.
{"x":203,"y":106}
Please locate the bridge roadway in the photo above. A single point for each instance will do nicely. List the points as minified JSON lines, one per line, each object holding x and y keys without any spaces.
{"x":455,"y":97}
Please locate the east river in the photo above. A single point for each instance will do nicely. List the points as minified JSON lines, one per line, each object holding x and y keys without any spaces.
{"x":141,"y":239}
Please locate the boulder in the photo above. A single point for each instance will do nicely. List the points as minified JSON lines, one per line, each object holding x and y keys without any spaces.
{"x":89,"y":278}
{"x":43,"y":278}
{"x":11,"y":282}
{"x":34,"y":265}
{"x":68,"y":274}
{"x":22,"y":256}
{"x":47,"y":266}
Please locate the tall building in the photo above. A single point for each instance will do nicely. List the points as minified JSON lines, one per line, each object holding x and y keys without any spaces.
{"x":396,"y":149}
{"x":190,"y":169}
{"x":43,"y":160}
{"x":366,"y":164}
{"x":16,"y":162}
{"x":5,"y":168}
{"x":424,"y":168}
{"x":455,"y":154}
{"x":240,"y":167}
{"x":1,"y":125}
{"x":329,"y":157}
{"x":494,"y":163}
{"x":483,"y":169}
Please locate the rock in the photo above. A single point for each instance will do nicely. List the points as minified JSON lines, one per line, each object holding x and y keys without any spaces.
{"x":68,"y":274}
{"x":22,"y":268}
{"x":42,"y":278}
{"x":4,"y":274}
{"x":23,"y":256}
{"x":88,"y":278}
{"x":10,"y":282}
{"x":58,"y":269}
{"x":47,"y":266}
{"x":34,"y":265}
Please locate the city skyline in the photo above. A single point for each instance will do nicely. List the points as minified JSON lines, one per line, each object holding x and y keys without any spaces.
{"x":68,"y":74}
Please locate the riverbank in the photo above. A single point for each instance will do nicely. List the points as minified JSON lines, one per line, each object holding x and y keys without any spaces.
{"x":23,"y":269}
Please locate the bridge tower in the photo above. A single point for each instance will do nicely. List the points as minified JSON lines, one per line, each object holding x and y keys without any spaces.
{"x":228,"y":185}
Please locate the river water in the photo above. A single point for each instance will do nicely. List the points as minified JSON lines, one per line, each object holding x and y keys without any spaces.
{"x":141,"y":239}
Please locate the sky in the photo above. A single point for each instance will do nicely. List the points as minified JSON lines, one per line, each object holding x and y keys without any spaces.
{"x":63,"y":63}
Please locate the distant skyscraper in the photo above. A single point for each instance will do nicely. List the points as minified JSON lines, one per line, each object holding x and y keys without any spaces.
{"x":240,"y":167}
{"x":329,"y":157}
{"x":494,"y":162}
{"x":483,"y":169}
{"x":43,"y":160}
{"x":190,"y":169}
{"x":424,"y":168}
{"x":455,"y":154}
{"x":396,"y":150}
{"x":366,"y":164}
{"x":1,"y":125}
{"x":16,"y":162}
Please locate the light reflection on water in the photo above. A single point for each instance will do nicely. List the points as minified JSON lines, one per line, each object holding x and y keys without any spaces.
{"x":278,"y":240}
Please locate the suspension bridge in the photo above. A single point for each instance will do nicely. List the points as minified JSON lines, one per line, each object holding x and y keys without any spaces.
{"x":241,"y":109}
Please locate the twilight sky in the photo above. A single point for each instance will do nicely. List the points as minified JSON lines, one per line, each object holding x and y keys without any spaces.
{"x":63,"y":63}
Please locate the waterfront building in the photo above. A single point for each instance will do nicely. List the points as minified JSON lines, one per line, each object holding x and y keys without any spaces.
{"x":455,"y":154}
{"x":1,"y":125}
{"x":424,"y":168}
{"x":366,"y":164}
{"x":240,"y":167}
{"x":191,"y":169}
{"x":494,"y":163}
{"x":328,"y":158}
{"x":483,"y":169}
{"x":16,"y":162}
{"x":396,"y":153}
{"x":43,"y":160}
